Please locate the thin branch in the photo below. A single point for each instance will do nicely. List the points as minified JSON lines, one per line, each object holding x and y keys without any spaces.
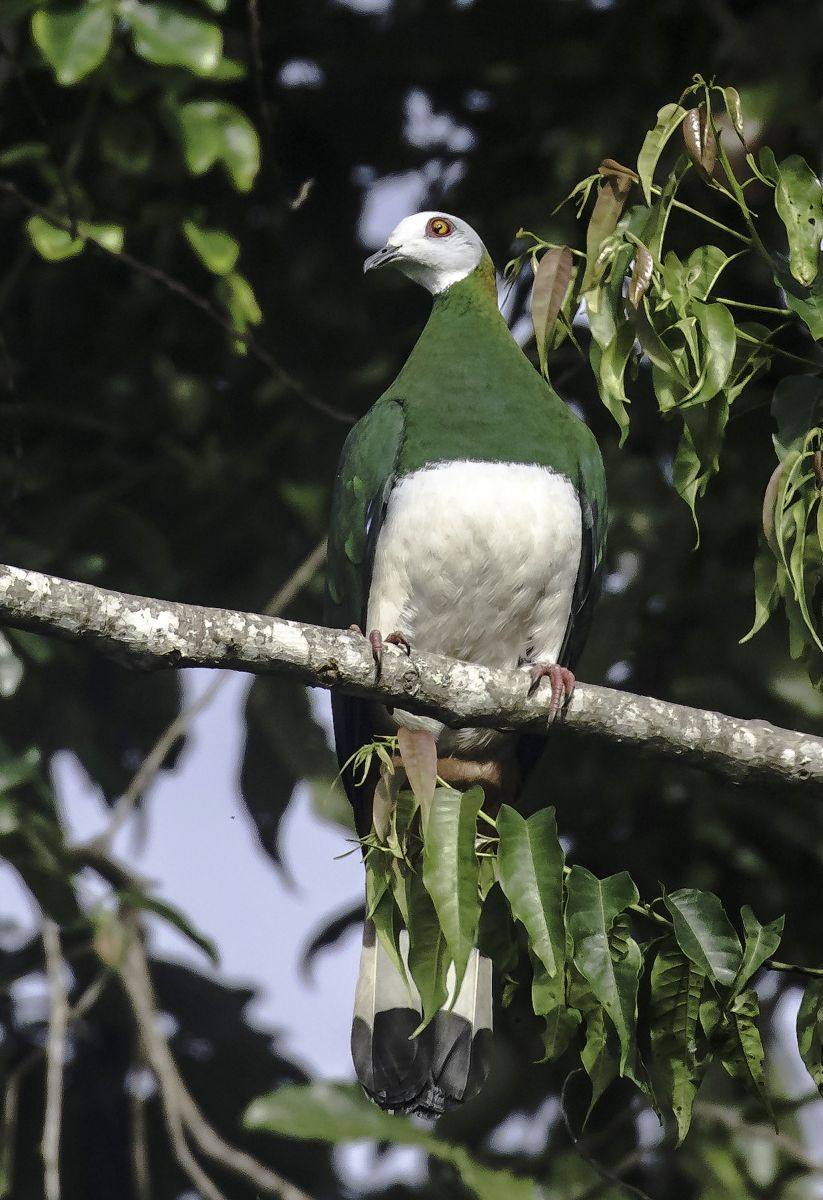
{"x":183,"y":1117}
{"x":185,"y":293}
{"x":55,"y":1058}
{"x":151,"y":633}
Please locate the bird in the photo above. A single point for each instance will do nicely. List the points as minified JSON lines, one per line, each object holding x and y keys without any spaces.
{"x":468,"y":519}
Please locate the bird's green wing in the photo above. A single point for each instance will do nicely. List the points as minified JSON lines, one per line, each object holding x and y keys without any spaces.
{"x":591,"y":490}
{"x":364,"y":482}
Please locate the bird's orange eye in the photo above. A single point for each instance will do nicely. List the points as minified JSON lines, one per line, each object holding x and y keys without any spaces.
{"x":439,"y":227}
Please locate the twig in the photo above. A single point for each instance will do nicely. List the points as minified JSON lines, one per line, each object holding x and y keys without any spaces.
{"x":178,"y":728}
{"x":155,"y":633}
{"x":139,"y":1144}
{"x":55,"y":1057}
{"x":182,"y":1114}
{"x":185,"y":293}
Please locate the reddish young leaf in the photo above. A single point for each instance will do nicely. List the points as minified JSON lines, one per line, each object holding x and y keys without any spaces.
{"x":551,"y":282}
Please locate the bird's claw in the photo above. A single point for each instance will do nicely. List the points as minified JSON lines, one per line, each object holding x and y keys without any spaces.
{"x":562,"y":684}
{"x":377,"y":642}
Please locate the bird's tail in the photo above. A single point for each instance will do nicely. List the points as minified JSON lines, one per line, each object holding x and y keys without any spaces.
{"x":447,"y":1062}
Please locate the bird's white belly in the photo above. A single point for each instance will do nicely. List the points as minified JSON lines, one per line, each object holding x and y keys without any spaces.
{"x":478,"y":561}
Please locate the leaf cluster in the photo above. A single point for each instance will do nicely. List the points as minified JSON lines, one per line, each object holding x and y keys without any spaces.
{"x":652,"y":309}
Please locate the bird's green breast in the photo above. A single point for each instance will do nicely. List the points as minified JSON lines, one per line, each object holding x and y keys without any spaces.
{"x":469,"y":392}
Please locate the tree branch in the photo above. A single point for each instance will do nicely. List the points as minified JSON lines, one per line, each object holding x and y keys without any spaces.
{"x":150,"y":633}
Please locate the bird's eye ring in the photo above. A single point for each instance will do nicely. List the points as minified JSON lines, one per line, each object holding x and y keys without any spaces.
{"x":439,"y":227}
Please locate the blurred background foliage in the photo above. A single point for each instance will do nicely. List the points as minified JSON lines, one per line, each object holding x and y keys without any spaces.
{"x":183,"y":346}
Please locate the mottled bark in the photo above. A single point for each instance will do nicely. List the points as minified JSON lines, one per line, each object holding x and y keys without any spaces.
{"x":153,"y":633}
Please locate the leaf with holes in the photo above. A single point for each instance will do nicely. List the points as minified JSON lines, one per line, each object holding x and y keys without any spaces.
{"x":592,"y":907}
{"x":676,"y":987}
{"x":798,"y":198}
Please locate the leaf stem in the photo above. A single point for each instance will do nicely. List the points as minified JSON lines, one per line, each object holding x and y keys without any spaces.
{"x":774,"y":965}
{"x":780,"y":312}
{"x":807,"y":362}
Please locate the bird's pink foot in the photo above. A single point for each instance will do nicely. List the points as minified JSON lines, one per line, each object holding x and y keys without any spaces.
{"x":562,"y":684}
{"x":377,"y":642}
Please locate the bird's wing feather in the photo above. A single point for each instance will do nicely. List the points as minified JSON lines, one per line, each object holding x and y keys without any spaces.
{"x":591,"y":486}
{"x":364,"y":482}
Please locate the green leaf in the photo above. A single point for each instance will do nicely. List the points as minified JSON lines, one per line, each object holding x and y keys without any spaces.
{"x":740,"y":1046}
{"x":216,"y":249}
{"x":697,"y":457}
{"x":139,"y":900}
{"x":73,"y":38}
{"x":428,"y":954}
{"x":56,"y":244}
{"x":328,"y":1112}
{"x":669,"y":119}
{"x":450,"y":871}
{"x":735,"y":110}
{"x":388,"y":924}
{"x":704,"y":933}
{"x":171,"y":37}
{"x":215,"y":131}
{"x":810,"y":1030}
{"x":760,"y":943}
{"x":600,"y":1055}
{"x":551,"y":282}
{"x":592,"y":907}
{"x":24,"y":152}
{"x":766,"y":591}
{"x":610,"y":372}
{"x":530,"y":863}
{"x":560,"y":1026}
{"x":127,"y":140}
{"x":676,"y":987}
{"x":235,"y":292}
{"x":716,"y":324}
{"x":798,"y":198}
{"x":20,"y":769}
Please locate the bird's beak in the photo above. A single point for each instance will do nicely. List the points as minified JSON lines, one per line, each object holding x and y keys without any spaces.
{"x":382,"y":258}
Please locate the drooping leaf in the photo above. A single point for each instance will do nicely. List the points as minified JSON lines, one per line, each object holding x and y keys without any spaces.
{"x":388,"y":924}
{"x":168,"y":912}
{"x":760,"y":943}
{"x":428,"y":953}
{"x":559,"y":1027}
{"x":798,"y":199}
{"x":329,"y":1112}
{"x":766,"y":590}
{"x":610,"y":372}
{"x":592,"y":907}
{"x":676,"y":987}
{"x":551,"y":282}
{"x":608,"y":207}
{"x":600,"y":1054}
{"x":450,"y":870}
{"x":704,"y":933}
{"x":641,"y":275}
{"x":168,"y":36}
{"x":236,"y":293}
{"x":697,"y":457}
{"x":530,"y":864}
{"x":700,"y":140}
{"x":73,"y":38}
{"x":735,"y":110}
{"x":741,"y":1048}
{"x":215,"y":248}
{"x":810,"y":1030}
{"x":717,"y":326}
{"x":418,"y":750}
{"x":669,"y":120}
{"x":216,"y":131}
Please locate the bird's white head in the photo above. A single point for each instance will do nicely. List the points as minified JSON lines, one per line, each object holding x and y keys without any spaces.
{"x":434,"y":249}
